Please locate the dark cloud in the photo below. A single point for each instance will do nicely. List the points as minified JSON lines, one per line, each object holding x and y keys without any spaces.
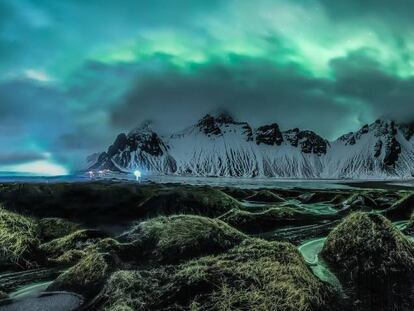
{"x":20,"y":158}
{"x":361,"y":77}
{"x":254,"y":90}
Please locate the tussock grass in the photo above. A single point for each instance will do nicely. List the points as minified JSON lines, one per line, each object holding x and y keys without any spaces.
{"x":18,"y":239}
{"x":181,"y":237}
{"x":402,"y":209}
{"x":256,"y":275}
{"x":255,"y":222}
{"x":204,"y":201}
{"x":374,"y":260}
{"x":368,"y":244}
{"x":265,"y":196}
{"x":54,"y":228}
{"x":77,"y":240}
{"x":88,"y":276}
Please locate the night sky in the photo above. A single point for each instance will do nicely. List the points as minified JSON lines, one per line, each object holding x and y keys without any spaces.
{"x":74,"y":73}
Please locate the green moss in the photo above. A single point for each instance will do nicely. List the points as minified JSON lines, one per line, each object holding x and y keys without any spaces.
{"x":54,"y":228}
{"x":181,"y":237}
{"x":410,"y":226}
{"x":402,"y":209}
{"x":237,"y":193}
{"x":371,"y":239}
{"x":77,"y":240}
{"x":88,"y":276}
{"x":360,"y":202}
{"x":372,"y":255}
{"x":265,"y":196}
{"x":267,"y":220}
{"x":322,"y":196}
{"x":18,"y":240}
{"x":204,"y":201}
{"x":256,"y":275}
{"x":70,"y":257}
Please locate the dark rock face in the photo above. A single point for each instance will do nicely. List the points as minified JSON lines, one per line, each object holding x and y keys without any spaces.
{"x":269,"y":135}
{"x":143,"y":141}
{"x":309,"y":141}
{"x":208,"y":126}
{"x":408,"y":130}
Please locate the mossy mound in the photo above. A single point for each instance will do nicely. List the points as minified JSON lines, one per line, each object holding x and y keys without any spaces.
{"x":106,"y":245}
{"x":77,"y":240}
{"x":256,"y":275}
{"x":402,"y":209}
{"x":319,"y":197}
{"x":373,"y":256}
{"x":409,"y":229}
{"x":54,"y":228}
{"x":177,"y":238}
{"x":265,"y":196}
{"x":238,"y":193}
{"x":264,"y":221}
{"x":359,"y":202}
{"x":88,"y":276}
{"x":19,"y":240}
{"x":204,"y":201}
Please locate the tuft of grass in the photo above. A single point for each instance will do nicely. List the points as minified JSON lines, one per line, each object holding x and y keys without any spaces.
{"x":402,"y":209}
{"x":204,"y":201}
{"x":255,"y":275}
{"x":77,"y":240}
{"x":54,"y":228}
{"x":182,"y":237}
{"x":18,"y":239}
{"x":374,"y":258}
{"x":410,"y":226}
{"x":88,"y":276}
{"x":265,"y":196}
{"x":368,"y":244}
{"x":263,"y":221}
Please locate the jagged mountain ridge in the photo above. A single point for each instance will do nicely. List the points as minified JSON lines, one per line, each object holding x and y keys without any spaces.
{"x":221,"y":146}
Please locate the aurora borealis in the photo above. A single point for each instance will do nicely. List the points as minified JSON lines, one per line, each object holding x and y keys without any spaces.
{"x":75,"y":73}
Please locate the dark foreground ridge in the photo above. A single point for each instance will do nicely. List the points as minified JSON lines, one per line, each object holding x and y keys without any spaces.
{"x":128,"y":246}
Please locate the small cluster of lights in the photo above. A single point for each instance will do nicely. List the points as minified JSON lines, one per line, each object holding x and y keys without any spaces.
{"x":100,"y":173}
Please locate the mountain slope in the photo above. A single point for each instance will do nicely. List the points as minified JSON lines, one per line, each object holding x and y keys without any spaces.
{"x":221,"y":146}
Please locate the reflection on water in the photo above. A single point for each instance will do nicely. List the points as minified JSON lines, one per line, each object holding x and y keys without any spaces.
{"x":310,"y":251}
{"x":31,"y":290}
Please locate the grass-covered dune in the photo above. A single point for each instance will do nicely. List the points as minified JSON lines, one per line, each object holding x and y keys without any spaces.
{"x":189,"y":262}
{"x":110,"y":202}
{"x":265,"y":196}
{"x":402,"y":209}
{"x":374,"y":258}
{"x":266,"y":220}
{"x":255,"y":275}
{"x":19,"y":240}
{"x":177,"y":238}
{"x":205,"y":201}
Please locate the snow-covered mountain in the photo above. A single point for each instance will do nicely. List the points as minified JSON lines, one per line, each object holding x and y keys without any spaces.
{"x":221,"y":146}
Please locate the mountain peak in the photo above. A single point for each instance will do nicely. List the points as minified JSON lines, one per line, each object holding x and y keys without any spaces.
{"x":145,"y":126}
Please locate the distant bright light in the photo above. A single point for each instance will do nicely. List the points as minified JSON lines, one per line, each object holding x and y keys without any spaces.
{"x":137,"y":174}
{"x":41,"y":168}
